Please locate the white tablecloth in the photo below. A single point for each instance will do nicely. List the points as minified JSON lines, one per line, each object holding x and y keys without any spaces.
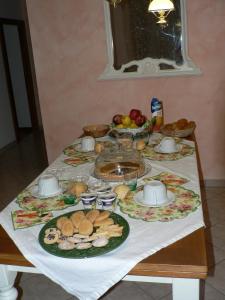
{"x":90,"y":278}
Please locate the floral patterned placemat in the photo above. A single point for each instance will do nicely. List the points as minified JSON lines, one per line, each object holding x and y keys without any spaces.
{"x":28,"y":202}
{"x":156,"y":138}
{"x":167,"y":178}
{"x":73,"y":150}
{"x":186,"y":202}
{"x":150,"y":153}
{"x":23,"y":218}
{"x":76,"y":161}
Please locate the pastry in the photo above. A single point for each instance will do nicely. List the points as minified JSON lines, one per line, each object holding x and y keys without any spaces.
{"x":82,"y":246}
{"x":114,"y":234}
{"x":80,"y":236}
{"x":66,"y":245}
{"x":100,"y":242}
{"x":99,"y":147}
{"x":61,"y":239}
{"x":76,"y":218}
{"x":60,"y":222}
{"x":74,"y":239}
{"x":67,"y":228}
{"x":108,"y":221}
{"x":113,"y":227}
{"x":85,"y":227}
{"x":140,"y":145}
{"x":181,"y":124}
{"x":121,"y":190}
{"x":103,"y":215}
{"x":92,"y":215}
{"x":78,"y":188}
{"x":109,"y":171}
{"x":52,"y":230}
{"x":51,"y":238}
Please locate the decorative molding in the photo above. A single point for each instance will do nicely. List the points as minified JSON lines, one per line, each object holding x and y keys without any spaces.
{"x":147,"y":67}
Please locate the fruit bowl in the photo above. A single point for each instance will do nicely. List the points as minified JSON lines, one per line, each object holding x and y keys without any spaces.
{"x":134,"y":131}
{"x":96,"y":130}
{"x":141,"y":133}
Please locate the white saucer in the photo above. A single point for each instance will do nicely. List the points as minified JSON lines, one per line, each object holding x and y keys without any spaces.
{"x":34,"y":192}
{"x":138,"y":198}
{"x":158,"y":150}
{"x":79,"y":148}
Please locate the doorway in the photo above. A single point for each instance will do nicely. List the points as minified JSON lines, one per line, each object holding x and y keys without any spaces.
{"x":25,"y":111}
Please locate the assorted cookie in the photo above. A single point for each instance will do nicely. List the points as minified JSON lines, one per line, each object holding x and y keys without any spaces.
{"x":83,"y":231}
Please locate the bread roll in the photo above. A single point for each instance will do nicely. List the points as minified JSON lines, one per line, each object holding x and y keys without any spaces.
{"x":121,"y":190}
{"x":140,"y":145}
{"x":78,"y":188}
{"x":99,"y":147}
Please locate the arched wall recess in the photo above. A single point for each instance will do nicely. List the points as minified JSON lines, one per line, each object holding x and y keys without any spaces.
{"x":138,"y":47}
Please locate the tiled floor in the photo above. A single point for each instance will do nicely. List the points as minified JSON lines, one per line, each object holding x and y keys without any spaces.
{"x":18,"y":167}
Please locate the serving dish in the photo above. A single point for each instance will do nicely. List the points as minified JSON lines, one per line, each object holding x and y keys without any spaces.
{"x":146,"y":169}
{"x":114,"y":242}
{"x":96,"y":130}
{"x":177,"y":129}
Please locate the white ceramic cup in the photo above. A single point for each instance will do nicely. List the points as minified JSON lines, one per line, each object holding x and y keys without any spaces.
{"x":155,"y":193}
{"x":168,"y":145}
{"x":48,"y":185}
{"x":88,"y":143}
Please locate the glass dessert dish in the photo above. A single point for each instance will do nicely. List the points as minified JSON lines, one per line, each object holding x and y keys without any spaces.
{"x":115,"y":163}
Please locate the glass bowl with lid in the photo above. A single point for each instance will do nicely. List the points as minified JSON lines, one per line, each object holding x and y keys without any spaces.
{"x":115,"y":163}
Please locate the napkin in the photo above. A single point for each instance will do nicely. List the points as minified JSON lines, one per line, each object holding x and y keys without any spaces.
{"x":24,"y":218}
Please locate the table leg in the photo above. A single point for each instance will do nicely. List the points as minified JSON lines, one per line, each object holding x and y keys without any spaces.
{"x":7,"y":279}
{"x":185,"y":289}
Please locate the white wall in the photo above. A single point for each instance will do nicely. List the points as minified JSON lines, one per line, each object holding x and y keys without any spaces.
{"x":7,"y":133}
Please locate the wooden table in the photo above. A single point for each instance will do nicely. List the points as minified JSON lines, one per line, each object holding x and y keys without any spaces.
{"x":181,"y":264}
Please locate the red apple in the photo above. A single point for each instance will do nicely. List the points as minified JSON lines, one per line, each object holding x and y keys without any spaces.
{"x":134,"y":113}
{"x":140,"y":120}
{"x":117,"y":119}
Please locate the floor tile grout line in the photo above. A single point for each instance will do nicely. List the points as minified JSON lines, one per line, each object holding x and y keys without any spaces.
{"x":143,"y":290}
{"x":215,"y":288}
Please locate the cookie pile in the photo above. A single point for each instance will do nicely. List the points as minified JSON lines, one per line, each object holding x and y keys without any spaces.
{"x":83,"y":231}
